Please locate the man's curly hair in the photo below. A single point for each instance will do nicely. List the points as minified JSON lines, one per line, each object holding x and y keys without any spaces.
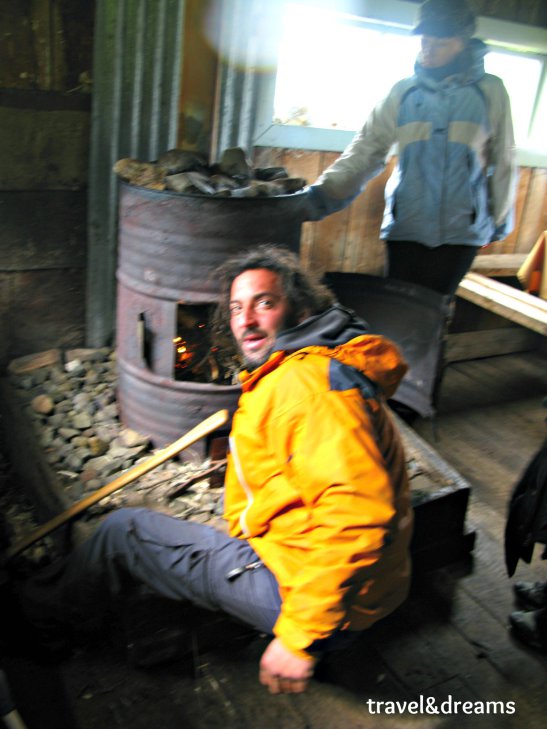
{"x":305,"y":293}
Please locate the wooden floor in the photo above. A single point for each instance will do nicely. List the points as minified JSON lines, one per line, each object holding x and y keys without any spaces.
{"x":449,"y":642}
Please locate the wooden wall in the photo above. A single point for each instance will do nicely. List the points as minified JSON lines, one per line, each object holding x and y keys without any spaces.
{"x":45,"y":110}
{"x":349,"y":240}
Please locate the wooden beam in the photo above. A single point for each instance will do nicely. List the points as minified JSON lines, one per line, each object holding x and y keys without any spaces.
{"x":463,"y":346}
{"x":517,"y":306}
{"x":498,"y":264}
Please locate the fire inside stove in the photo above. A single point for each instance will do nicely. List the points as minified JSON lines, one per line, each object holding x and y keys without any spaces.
{"x":196,"y":357}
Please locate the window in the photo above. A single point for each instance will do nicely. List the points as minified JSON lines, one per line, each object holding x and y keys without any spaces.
{"x":334,"y":67}
{"x":521,"y":76}
{"x":326,"y":89}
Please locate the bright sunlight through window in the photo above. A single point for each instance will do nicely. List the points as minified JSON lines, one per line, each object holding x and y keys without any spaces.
{"x":332,"y":75}
{"x":334,"y":69}
{"x":521,"y":77}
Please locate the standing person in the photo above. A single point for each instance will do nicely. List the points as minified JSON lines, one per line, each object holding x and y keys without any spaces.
{"x":453,"y":188}
{"x":316,"y":492}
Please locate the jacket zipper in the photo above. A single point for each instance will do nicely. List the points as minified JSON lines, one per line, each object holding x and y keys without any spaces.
{"x":243,"y":483}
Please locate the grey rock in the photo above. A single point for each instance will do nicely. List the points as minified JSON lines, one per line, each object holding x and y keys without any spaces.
{"x":68,"y":433}
{"x":92,"y":485}
{"x":73,"y":461}
{"x":233,"y":161}
{"x":270,"y":173}
{"x":180,"y":160}
{"x":81,"y":421}
{"x":26,"y":383}
{"x":179,"y":183}
{"x":97,"y":446}
{"x":130,"y":438}
{"x":74,"y":366}
{"x":98,"y":464}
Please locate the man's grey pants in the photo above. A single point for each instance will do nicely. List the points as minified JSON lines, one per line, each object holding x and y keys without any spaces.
{"x":174,"y":559}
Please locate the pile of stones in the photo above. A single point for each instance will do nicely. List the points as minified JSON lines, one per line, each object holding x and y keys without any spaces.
{"x":187,"y":172}
{"x":70,"y":401}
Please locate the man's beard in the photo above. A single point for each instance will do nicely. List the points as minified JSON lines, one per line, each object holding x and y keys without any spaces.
{"x":252,"y":364}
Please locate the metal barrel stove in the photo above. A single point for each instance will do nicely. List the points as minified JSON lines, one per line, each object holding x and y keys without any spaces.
{"x":169,"y":247}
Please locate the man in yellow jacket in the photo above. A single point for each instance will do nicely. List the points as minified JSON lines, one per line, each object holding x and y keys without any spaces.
{"x":316,"y":493}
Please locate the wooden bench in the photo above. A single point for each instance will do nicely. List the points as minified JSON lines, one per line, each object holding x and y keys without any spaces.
{"x":511,"y":303}
{"x":498,"y":264}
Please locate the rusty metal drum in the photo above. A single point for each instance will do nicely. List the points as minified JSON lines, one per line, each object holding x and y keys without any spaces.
{"x":169,"y":246}
{"x":169,"y":243}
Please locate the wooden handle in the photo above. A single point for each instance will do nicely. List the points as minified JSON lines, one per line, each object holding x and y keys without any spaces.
{"x":201,"y":430}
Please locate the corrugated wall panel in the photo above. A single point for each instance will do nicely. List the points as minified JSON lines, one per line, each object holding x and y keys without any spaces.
{"x":136,"y":86}
{"x":249,"y":33}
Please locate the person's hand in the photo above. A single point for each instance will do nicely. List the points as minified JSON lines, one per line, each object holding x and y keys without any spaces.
{"x":282,"y":672}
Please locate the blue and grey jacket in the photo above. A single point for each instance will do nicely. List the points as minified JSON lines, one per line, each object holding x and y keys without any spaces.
{"x":455,"y":178}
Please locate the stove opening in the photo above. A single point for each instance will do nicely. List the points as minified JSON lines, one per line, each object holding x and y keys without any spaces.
{"x":196,"y":357}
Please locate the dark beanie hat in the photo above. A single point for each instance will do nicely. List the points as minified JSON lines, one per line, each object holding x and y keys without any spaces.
{"x":445,"y":19}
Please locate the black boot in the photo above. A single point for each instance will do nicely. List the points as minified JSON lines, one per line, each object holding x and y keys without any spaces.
{"x":530,"y":627}
{"x":532,"y":595}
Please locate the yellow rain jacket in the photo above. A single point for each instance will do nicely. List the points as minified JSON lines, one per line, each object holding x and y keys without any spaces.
{"x":316,"y":478}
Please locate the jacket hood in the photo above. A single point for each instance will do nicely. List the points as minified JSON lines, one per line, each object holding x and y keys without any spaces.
{"x":337,"y":325}
{"x":468,"y":71}
{"x":340,"y":334}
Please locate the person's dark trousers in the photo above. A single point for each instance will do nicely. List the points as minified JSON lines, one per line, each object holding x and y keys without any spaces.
{"x":440,"y":269}
{"x":173,"y":559}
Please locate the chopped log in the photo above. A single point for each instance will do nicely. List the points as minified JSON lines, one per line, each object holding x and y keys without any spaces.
{"x":31,"y":362}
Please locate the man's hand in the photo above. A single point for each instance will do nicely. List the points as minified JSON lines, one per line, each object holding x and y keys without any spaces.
{"x":283,"y":672}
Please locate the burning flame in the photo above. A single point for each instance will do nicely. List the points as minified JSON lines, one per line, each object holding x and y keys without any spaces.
{"x":184,"y":353}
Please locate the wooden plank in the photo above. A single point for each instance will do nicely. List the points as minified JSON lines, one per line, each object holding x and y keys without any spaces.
{"x":45,"y":310}
{"x":48,"y":44}
{"x":330,"y":236}
{"x":488,"y":343}
{"x":298,"y":163}
{"x":301,"y":163}
{"x":43,"y":229}
{"x":534,"y":217}
{"x":365,"y":252}
{"x":503,"y":292}
{"x":498,"y":264}
{"x":490,"y":422}
{"x":55,"y":144}
{"x":515,"y":305}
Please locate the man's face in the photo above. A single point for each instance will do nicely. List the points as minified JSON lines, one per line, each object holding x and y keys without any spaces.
{"x":259,"y":310}
{"x":437,"y":52}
